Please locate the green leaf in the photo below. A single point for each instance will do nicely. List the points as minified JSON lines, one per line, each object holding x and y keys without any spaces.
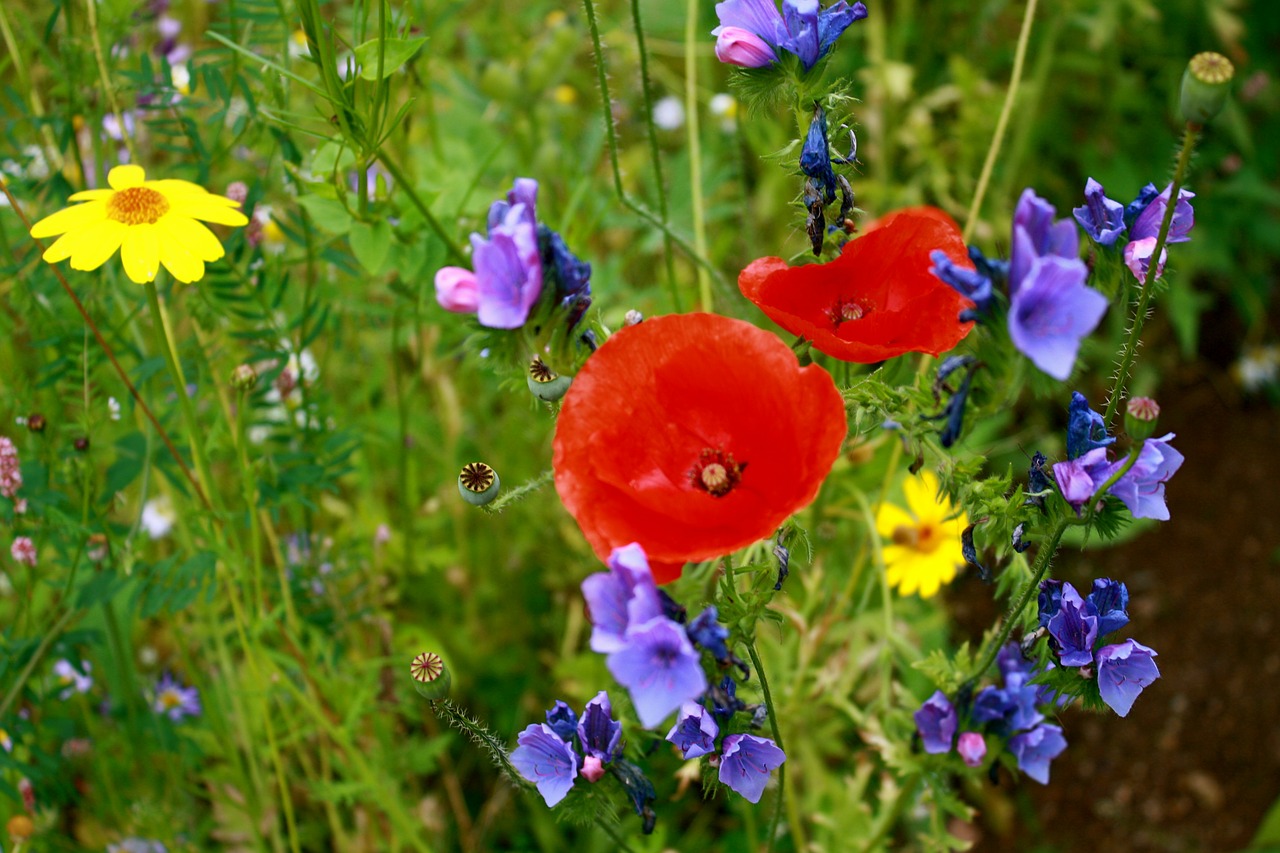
{"x":327,"y":213}
{"x":396,"y":52}
{"x":370,"y":242}
{"x":330,"y":157}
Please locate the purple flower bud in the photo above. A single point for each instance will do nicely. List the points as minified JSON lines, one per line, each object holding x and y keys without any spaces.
{"x":1086,"y":430}
{"x":457,"y":290}
{"x":972,"y":748}
{"x":1074,"y":628}
{"x":546,"y":761}
{"x":695,"y":731}
{"x":1110,"y":600}
{"x":706,"y":632}
{"x":936,"y":722}
{"x":746,"y":762}
{"x":598,"y":732}
{"x":1036,"y":748}
{"x":562,"y":721}
{"x":1137,"y":257}
{"x":592,"y":769}
{"x":1124,"y":670}
{"x":736,"y":46}
{"x":1101,"y":217}
{"x":1050,"y":600}
{"x":971,"y":284}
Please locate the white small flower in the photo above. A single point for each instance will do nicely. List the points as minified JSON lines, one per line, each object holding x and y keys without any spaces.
{"x":1258,"y":367}
{"x":668,"y":113}
{"x":158,"y":517}
{"x":180,"y":76}
{"x":113,"y":408}
{"x":724,"y":107}
{"x":73,"y":679}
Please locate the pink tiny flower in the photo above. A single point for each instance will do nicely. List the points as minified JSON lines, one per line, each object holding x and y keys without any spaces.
{"x":237,"y":191}
{"x":457,"y":290}
{"x":592,"y":769}
{"x":972,"y":748}
{"x":28,"y":795}
{"x":382,"y":535}
{"x":1137,"y":257}
{"x":737,"y":46}
{"x":24,"y":551}
{"x":20,"y":506}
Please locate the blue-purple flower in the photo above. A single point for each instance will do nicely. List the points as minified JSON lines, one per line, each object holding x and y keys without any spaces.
{"x":72,"y":678}
{"x":562,"y":720}
{"x":1034,"y":750}
{"x":746,"y":762}
{"x":1142,"y":487}
{"x":936,"y":722}
{"x":1079,"y":478}
{"x":973,"y":284}
{"x":1146,"y":229}
{"x":547,"y":761}
{"x":1100,"y":217}
{"x":695,"y":731}
{"x":752,"y":31}
{"x":1086,"y":429}
{"x":1124,"y":670}
{"x":175,"y":701}
{"x":706,"y":631}
{"x":1110,"y":600}
{"x":1074,"y":627}
{"x":660,"y":668}
{"x":598,"y":732}
{"x":626,"y":594}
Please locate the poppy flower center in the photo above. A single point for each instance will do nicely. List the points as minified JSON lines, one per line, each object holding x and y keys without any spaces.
{"x":716,"y":472}
{"x":476,"y":477}
{"x":926,"y":538}
{"x":540,"y":373}
{"x":137,"y":205}
{"x":845,"y":310}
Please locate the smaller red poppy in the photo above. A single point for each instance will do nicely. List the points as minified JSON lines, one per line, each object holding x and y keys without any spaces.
{"x":694,"y":435}
{"x":878,"y":299}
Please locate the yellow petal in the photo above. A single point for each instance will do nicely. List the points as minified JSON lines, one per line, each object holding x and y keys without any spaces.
{"x":921,"y":493}
{"x":123,"y":177}
{"x":197,"y":239}
{"x":63,"y":247}
{"x":180,"y":263}
{"x":141,"y":253}
{"x":202,"y":208}
{"x":69,"y":219}
{"x":890,"y":518}
{"x":173,"y":187}
{"x":92,"y":195}
{"x":97,"y":243}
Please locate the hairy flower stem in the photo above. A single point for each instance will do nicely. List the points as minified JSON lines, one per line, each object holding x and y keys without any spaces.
{"x":1044,"y":559}
{"x":111,"y":356}
{"x":1189,"y":138}
{"x":997,"y":139}
{"x":796,"y":830}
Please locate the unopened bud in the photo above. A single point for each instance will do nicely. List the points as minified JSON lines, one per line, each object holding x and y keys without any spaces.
{"x":633,"y":318}
{"x":244,"y":377}
{"x":545,"y":383}
{"x":1205,"y":85}
{"x":478,"y":483}
{"x":430,"y":676}
{"x":82,"y":443}
{"x":1140,"y":416}
{"x":36,"y":422}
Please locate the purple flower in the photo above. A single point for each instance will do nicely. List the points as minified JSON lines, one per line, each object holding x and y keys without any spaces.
{"x":508,"y":264}
{"x":175,"y":701}
{"x":1142,"y":487}
{"x":1110,"y":600}
{"x":1037,"y":234}
{"x":73,"y":679}
{"x":626,"y":594}
{"x":972,"y":748}
{"x":660,"y":667}
{"x":1079,"y":478}
{"x":751,"y":31}
{"x":708,"y":633}
{"x":1101,"y":217}
{"x":815,"y":156}
{"x":1134,"y":208}
{"x":1074,"y":628}
{"x":598,"y":732}
{"x":746,"y":762}
{"x":1086,"y":430}
{"x":695,"y":731}
{"x":1137,"y":257}
{"x":1049,"y":600}
{"x":546,"y":761}
{"x":1147,"y":224}
{"x":1052,"y":310}
{"x":936,"y":722}
{"x":1011,"y":708}
{"x":1036,"y":748}
{"x":973,"y":285}
{"x":562,"y":720}
{"x":1015,"y":669}
{"x":1124,"y":670}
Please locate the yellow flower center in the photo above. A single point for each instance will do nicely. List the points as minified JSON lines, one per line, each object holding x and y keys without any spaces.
{"x":925,"y":539}
{"x":137,"y":205}
{"x":170,"y":699}
{"x":715,"y":477}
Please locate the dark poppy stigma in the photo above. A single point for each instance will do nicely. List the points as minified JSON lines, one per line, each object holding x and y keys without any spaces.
{"x":716,"y":472}
{"x":846,"y":310}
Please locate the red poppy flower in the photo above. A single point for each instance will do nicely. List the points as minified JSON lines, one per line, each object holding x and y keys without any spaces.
{"x":694,"y":435}
{"x":878,"y":299}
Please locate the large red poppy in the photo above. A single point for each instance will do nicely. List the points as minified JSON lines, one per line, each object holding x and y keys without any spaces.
{"x":878,"y":299}
{"x":694,"y":435}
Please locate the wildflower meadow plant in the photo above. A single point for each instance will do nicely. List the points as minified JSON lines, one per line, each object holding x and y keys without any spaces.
{"x":653,"y":544}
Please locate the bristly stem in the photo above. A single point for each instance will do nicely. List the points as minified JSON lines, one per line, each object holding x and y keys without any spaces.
{"x":997,"y":140}
{"x":691,"y":36}
{"x":646,"y":93}
{"x":777,"y":738}
{"x":1189,"y":138}
{"x":111,"y":356}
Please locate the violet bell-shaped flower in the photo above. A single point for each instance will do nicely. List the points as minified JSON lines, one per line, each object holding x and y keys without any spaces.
{"x":936,"y":722}
{"x":660,"y":668}
{"x":546,"y":761}
{"x":695,"y":731}
{"x":746,"y":762}
{"x":751,"y":31}
{"x":624,"y":595}
{"x":1124,"y":671}
{"x":1074,"y":628}
{"x":1142,"y":487}
{"x":1034,"y":750}
{"x":1102,"y":218}
{"x":1146,"y":230}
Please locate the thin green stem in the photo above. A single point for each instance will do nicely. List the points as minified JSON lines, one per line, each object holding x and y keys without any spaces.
{"x":796,"y":830}
{"x":997,"y":140}
{"x":91,"y":10}
{"x":402,"y":181}
{"x":1189,"y":138}
{"x":48,"y":640}
{"x":692,"y":40}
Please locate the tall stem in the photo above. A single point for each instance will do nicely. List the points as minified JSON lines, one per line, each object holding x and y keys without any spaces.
{"x":796,"y":829}
{"x":1189,"y":137}
{"x":691,"y":39}
{"x":1019,"y":56}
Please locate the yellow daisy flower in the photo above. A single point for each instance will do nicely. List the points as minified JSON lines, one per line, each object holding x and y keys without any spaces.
{"x":150,"y":222}
{"x":925,"y":552}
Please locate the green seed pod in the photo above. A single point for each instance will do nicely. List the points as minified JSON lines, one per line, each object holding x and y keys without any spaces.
{"x":499,"y":82}
{"x":1205,"y":85}
{"x":478,"y":483}
{"x":244,"y":377}
{"x":545,"y":383}
{"x":430,"y":676}
{"x":1140,"y":416}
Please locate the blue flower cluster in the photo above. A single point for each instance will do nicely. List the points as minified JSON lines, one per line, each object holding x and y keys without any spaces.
{"x":546,"y":756}
{"x":1010,"y":713}
{"x":1105,"y":219}
{"x":751,"y":32}
{"x":1076,"y":625}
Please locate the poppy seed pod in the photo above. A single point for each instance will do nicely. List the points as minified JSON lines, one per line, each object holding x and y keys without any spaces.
{"x":1140,"y":416}
{"x":1205,"y":85}
{"x":478,"y":483}
{"x":545,"y":383}
{"x":430,"y":676}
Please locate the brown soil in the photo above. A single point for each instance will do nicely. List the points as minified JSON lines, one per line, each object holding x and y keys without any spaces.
{"x":1196,"y":764}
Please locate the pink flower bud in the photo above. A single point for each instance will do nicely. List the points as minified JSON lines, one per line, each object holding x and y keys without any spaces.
{"x":457,"y":290}
{"x":972,"y":748}
{"x":1137,"y":257}
{"x":737,"y":46}
{"x":592,"y":769}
